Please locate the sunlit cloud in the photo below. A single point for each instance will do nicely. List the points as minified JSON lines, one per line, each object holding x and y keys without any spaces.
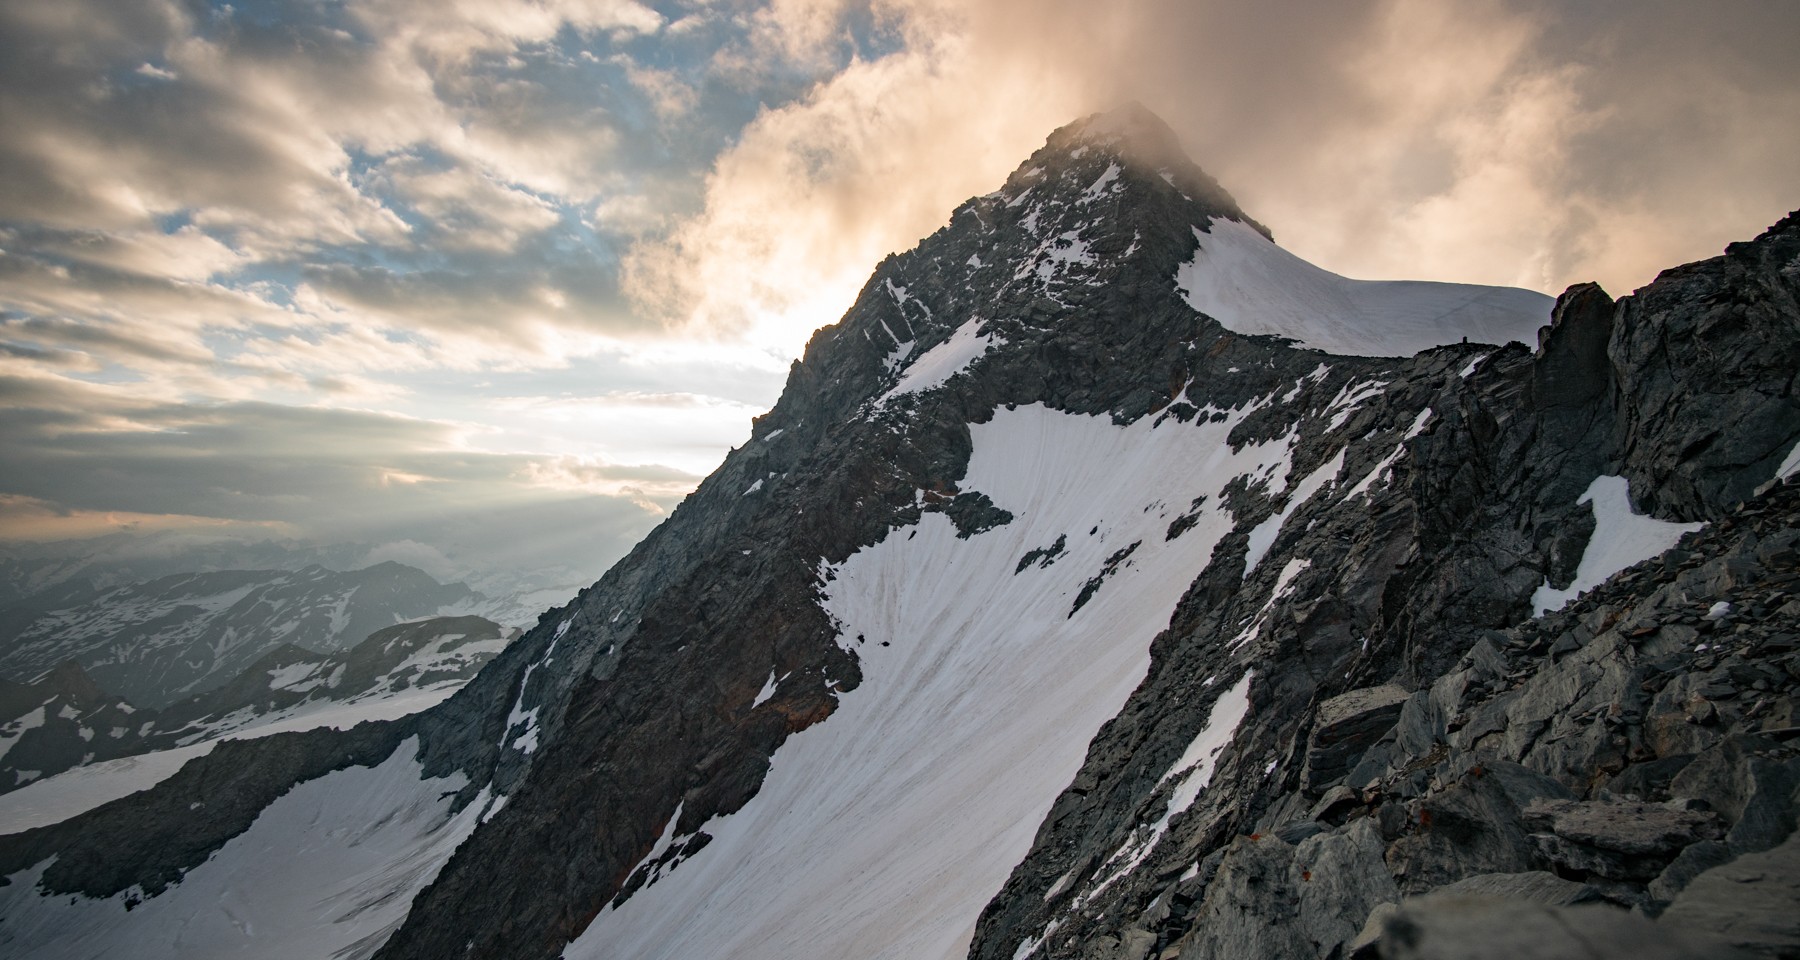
{"x":28,"y":518}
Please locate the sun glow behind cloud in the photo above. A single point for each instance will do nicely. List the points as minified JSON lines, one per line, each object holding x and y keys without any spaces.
{"x":526,"y":251}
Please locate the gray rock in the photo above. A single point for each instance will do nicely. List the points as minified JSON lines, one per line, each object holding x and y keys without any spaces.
{"x":1335,"y":801}
{"x":1446,"y":926}
{"x":1347,"y":725}
{"x":1471,"y":826}
{"x":1752,"y":902}
{"x":1340,"y":878}
{"x":1367,"y":942}
{"x":1687,"y":865}
{"x":1300,"y":830}
{"x":1752,"y":792}
{"x":1535,"y":886}
{"x":1251,"y":906}
{"x":1616,"y":840}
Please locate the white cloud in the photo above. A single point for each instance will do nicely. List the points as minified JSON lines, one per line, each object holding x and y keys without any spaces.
{"x":470,"y":209}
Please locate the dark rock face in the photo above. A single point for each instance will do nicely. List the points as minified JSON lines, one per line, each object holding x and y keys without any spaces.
{"x":1410,"y":726}
{"x":1711,"y":407}
{"x":1622,"y":744}
{"x":1347,"y":725}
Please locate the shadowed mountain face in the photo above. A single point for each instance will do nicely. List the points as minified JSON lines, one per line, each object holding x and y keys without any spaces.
{"x":1068,"y":600}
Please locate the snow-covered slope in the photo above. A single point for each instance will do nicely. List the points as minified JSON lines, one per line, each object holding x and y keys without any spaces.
{"x":988,"y":663}
{"x":325,"y":871}
{"x":1243,"y":280}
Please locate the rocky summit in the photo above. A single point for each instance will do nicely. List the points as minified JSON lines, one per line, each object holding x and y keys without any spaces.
{"x":1107,"y":583}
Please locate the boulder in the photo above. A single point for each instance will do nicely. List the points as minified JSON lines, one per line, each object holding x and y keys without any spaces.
{"x":1449,"y":926}
{"x":1347,"y":725}
{"x":1615,"y":839}
{"x":1534,"y":886}
{"x":1753,"y":903}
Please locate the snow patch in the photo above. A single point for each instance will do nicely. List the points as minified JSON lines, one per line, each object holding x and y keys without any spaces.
{"x":1056,"y":257}
{"x":1789,"y":466}
{"x":1283,"y":582}
{"x":1353,"y":396}
{"x":14,"y":729}
{"x":942,"y":362}
{"x":293,"y":675}
{"x":767,"y":691}
{"x":1622,"y":537}
{"x":1102,"y":186}
{"x":1418,"y":425}
{"x":1262,"y":537}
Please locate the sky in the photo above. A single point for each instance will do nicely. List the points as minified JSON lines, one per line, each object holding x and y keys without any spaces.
{"x":493,"y":283}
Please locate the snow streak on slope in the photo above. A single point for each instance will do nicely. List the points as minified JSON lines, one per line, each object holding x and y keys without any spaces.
{"x":882,"y":831}
{"x":76,"y":791}
{"x":1622,"y":537}
{"x":328,"y":870}
{"x":1195,"y":768}
{"x":1249,"y":285}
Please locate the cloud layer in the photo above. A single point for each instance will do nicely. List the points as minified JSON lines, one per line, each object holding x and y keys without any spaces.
{"x":325,"y":268}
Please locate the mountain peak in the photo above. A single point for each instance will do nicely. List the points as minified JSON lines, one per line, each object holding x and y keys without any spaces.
{"x":1129,"y":127}
{"x":1143,"y":145}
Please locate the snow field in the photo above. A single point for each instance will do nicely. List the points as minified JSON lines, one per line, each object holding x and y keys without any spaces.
{"x":883,"y":831}
{"x":327,"y":870}
{"x":1249,"y":285}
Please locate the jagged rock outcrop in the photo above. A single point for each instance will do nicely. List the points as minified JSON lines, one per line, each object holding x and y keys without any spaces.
{"x":1052,"y":483}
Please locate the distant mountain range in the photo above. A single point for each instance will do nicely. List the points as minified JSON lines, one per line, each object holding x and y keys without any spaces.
{"x":65,"y":720}
{"x":159,"y":641}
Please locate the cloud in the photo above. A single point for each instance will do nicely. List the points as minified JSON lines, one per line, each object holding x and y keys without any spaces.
{"x":30,"y":519}
{"x":1512,"y":143}
{"x":455,"y":30}
{"x":252,"y":469}
{"x":868,"y":163}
